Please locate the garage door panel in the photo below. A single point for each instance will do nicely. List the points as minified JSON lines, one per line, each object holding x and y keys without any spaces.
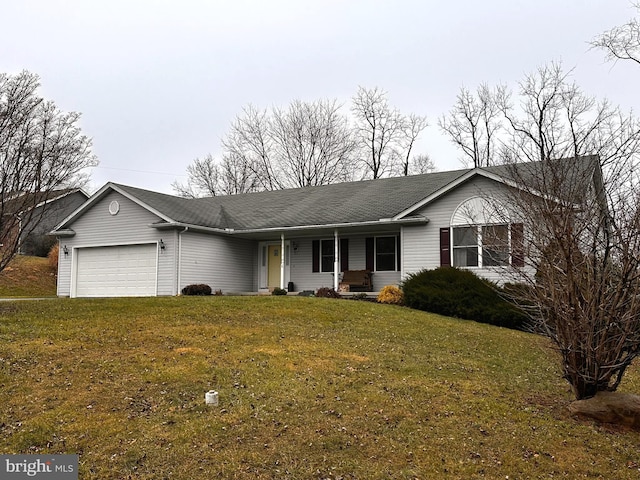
{"x":121,"y":271}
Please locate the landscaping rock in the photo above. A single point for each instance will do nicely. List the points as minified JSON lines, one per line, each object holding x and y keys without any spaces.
{"x":610,"y":407}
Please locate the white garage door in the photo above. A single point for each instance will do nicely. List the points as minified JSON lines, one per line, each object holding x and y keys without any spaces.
{"x":123,"y":271}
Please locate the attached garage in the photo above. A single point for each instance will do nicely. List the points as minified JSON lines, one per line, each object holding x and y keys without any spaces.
{"x":117,"y":271}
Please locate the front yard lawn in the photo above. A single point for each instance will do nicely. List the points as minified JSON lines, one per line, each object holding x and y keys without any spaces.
{"x":308,"y":388}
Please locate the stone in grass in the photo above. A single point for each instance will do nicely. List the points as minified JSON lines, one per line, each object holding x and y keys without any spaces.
{"x":610,"y":407}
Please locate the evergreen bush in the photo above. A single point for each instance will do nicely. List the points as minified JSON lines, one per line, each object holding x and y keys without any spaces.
{"x":197,"y":289}
{"x":460,"y":293}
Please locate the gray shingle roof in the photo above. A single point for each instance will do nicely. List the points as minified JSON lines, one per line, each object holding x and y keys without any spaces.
{"x":342,"y":203}
{"x":336,"y":204}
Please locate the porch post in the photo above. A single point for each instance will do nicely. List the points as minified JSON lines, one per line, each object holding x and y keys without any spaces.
{"x":282,"y":261}
{"x":336,"y":260}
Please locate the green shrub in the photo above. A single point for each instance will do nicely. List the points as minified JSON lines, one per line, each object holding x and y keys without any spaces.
{"x":461,"y":293}
{"x":391,"y":294}
{"x":278,"y":291}
{"x":327,"y":292}
{"x":359,"y":296}
{"x":197,"y":289}
{"x":38,"y":245}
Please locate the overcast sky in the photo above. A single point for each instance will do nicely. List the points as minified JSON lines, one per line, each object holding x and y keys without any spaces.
{"x":158,"y":83}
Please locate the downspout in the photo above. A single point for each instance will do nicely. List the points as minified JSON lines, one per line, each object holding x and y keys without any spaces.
{"x":282,"y":261}
{"x":401,"y":252}
{"x":336,"y":260}
{"x":179,"y":261}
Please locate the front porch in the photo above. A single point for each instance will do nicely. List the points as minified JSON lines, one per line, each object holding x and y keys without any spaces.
{"x":349,"y":262}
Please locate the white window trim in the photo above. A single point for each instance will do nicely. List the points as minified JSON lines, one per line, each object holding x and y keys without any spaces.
{"x":479,"y":245}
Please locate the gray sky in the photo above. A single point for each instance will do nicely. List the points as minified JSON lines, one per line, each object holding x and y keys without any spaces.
{"x":158,"y":83}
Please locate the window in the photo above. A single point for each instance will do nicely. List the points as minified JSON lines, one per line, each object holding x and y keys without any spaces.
{"x":495,"y":245}
{"x":322,"y":254}
{"x":465,"y":247}
{"x":487,"y":246}
{"x":326,"y":255}
{"x":385,"y":254}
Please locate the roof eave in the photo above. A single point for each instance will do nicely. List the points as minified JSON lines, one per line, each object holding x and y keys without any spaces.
{"x":382,"y":221}
{"x":188,"y":226}
{"x":62,"y":233}
{"x":232,"y":231}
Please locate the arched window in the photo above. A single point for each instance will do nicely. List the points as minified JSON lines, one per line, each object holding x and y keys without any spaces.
{"x":483,"y":235}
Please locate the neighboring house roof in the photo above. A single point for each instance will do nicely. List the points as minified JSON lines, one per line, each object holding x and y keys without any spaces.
{"x":16,"y":202}
{"x":393,"y":199}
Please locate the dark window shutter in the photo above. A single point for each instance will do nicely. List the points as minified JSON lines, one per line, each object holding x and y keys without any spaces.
{"x":315,"y":255}
{"x":517,"y":245}
{"x":369,"y":250}
{"x":445,"y":247}
{"x":344,"y":254}
{"x":398,"y":263}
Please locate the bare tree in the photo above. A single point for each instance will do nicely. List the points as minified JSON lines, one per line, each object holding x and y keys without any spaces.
{"x":203,"y":179}
{"x":473,"y":124}
{"x":312,"y":143}
{"x":236,"y":176}
{"x":384,"y":136}
{"x":42,"y":149}
{"x":249,"y":143}
{"x":580,"y":216}
{"x":421,"y":164}
{"x":414,"y":125}
{"x":306,"y":144}
{"x":622,"y":42}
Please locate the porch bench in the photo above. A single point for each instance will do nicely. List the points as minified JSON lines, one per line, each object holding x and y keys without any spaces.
{"x":357,"y":280}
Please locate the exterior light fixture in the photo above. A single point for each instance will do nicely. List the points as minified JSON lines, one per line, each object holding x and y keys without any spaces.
{"x":162,"y":246}
{"x":66,"y":251}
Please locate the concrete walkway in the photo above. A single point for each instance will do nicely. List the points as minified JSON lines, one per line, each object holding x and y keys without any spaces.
{"x":15,"y":299}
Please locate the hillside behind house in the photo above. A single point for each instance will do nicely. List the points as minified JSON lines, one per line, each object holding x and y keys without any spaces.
{"x":28,"y":276}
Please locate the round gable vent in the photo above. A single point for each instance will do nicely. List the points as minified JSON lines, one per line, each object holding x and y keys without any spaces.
{"x":114,"y":208}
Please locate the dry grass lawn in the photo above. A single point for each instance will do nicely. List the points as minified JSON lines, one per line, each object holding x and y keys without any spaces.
{"x":309,"y":388}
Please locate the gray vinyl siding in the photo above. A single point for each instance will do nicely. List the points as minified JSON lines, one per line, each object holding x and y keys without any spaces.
{"x":223,"y":263}
{"x":421,"y":243}
{"x":301,"y":265}
{"x":97,"y":227}
{"x":382,"y":279}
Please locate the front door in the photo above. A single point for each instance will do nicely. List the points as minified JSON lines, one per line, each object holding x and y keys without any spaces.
{"x":273,"y":266}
